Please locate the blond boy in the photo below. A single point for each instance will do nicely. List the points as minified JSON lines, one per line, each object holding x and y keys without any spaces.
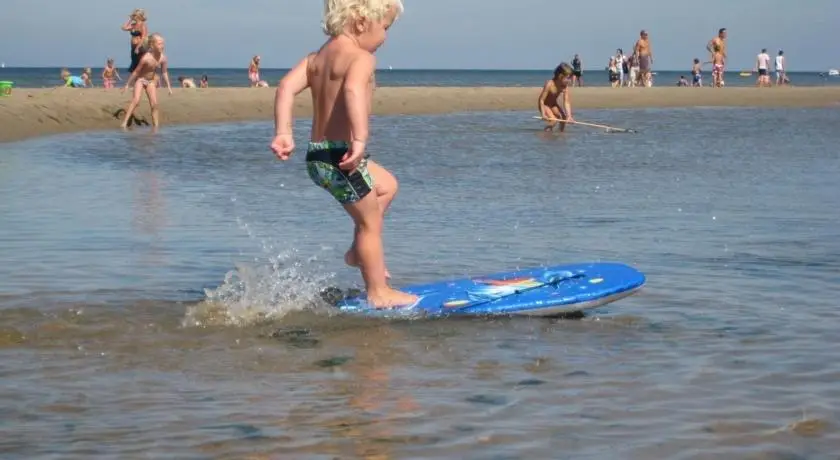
{"x":340,"y":78}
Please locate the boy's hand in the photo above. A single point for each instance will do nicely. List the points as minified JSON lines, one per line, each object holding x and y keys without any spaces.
{"x":548,"y":115}
{"x":353,"y":157}
{"x":282,"y":146}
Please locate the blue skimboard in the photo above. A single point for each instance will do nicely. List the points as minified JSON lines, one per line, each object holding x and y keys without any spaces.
{"x":538,"y":291}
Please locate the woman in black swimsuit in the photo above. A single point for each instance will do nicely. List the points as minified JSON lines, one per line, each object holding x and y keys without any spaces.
{"x":577,"y":71}
{"x":136,"y":26}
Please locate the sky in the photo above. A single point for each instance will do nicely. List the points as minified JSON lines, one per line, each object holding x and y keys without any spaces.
{"x":432,"y":34}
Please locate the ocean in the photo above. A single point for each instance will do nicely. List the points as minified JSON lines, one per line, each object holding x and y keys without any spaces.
{"x":158,"y":296}
{"x":47,"y":77}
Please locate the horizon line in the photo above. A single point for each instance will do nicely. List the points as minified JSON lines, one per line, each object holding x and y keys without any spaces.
{"x":431,"y":69}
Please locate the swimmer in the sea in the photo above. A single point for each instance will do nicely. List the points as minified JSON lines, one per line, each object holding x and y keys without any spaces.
{"x":340,"y":79}
{"x":549,"y":105}
{"x":144,"y":76}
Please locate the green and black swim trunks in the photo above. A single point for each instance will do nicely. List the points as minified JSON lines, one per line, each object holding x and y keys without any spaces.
{"x":322,"y":159}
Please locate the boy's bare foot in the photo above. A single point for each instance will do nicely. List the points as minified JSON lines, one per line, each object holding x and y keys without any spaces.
{"x":389,"y":298}
{"x":352,"y":260}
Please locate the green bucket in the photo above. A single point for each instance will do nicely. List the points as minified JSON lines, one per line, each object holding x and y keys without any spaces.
{"x":6,"y":88}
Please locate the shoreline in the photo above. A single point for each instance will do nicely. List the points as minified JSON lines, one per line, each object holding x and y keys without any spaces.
{"x":30,"y":113}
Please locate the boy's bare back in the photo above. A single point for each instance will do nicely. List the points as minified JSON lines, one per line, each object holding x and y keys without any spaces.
{"x":336,"y":69}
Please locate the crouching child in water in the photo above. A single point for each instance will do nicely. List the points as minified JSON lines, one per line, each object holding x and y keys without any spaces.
{"x":143,"y":78}
{"x":549,"y":103}
{"x":340,"y":78}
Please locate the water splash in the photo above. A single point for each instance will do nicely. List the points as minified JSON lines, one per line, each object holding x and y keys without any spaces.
{"x":266,"y":289}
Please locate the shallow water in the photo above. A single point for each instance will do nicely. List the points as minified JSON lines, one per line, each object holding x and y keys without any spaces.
{"x":159,"y":293}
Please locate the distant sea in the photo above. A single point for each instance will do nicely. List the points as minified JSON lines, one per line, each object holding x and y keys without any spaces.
{"x":39,"y":77}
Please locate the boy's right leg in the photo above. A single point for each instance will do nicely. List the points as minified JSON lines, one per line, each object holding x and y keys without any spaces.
{"x":367,"y":216}
{"x":357,"y":193}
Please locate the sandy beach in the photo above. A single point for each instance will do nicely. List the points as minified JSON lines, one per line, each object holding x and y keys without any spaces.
{"x":30,"y":113}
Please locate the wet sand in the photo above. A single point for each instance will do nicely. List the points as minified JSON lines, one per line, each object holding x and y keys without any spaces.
{"x":37,"y":112}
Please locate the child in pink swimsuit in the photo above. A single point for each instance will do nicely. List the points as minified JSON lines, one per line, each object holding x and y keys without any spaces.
{"x":110,"y":75}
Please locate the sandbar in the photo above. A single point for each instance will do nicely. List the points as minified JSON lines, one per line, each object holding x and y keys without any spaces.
{"x":28,"y":113}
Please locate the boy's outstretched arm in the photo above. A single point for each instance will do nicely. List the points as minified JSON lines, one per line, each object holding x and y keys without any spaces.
{"x":284,"y":100}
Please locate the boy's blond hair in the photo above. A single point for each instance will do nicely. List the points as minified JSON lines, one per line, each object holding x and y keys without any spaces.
{"x":338,"y":13}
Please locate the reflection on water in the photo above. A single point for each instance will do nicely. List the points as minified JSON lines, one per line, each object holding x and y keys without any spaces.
{"x":159,"y":295}
{"x":149,"y":215}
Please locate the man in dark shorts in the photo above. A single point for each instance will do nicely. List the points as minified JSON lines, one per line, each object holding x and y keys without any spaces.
{"x":577,"y":71}
{"x":643,"y":51}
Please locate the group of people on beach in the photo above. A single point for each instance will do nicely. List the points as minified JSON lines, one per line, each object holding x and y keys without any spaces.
{"x":138,"y":29}
{"x":762,"y":66}
{"x":623,"y":70}
{"x":148,"y":58}
{"x":635,"y":70}
{"x":147,"y":61}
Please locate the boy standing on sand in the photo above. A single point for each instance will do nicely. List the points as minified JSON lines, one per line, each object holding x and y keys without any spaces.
{"x":697,"y":73}
{"x":340,"y":76}
{"x":144,"y":76}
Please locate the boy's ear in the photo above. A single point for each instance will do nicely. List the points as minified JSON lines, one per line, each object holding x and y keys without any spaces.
{"x":361,"y":25}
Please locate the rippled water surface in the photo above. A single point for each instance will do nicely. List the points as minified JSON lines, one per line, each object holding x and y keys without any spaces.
{"x":159,"y":293}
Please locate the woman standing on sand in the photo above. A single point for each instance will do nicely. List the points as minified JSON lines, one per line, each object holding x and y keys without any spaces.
{"x":254,"y":71}
{"x":136,"y":26}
